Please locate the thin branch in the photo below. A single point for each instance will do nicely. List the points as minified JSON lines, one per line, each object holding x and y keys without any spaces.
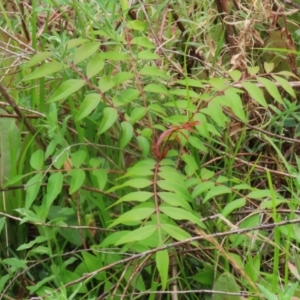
{"x":204,"y":236}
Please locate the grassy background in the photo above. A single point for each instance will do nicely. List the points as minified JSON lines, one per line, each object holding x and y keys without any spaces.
{"x":149,"y":150}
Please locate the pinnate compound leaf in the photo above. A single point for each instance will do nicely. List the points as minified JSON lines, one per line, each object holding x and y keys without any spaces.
{"x":227,"y":284}
{"x":235,"y":204}
{"x":271,"y":88}
{"x":146,"y":163}
{"x":285,"y":84}
{"x":169,"y":173}
{"x":127,"y":134}
{"x":175,"y":187}
{"x":139,"y":234}
{"x":45,"y":70}
{"x":216,"y":191}
{"x":162,"y":264}
{"x":134,"y":215}
{"x":66,"y":89}
{"x":140,"y":196}
{"x":37,"y":58}
{"x":113,"y":238}
{"x":94,"y":66}
{"x":77,"y":180}
{"x":89,"y":103}
{"x":137,"y":25}
{"x":255,"y":93}
{"x":214,"y":110}
{"x":180,"y":214}
{"x":156,"y":88}
{"x":235,"y":103}
{"x":190,"y":161}
{"x":175,"y":232}
{"x":110,"y":115}
{"x":138,"y":183}
{"x":143,"y":42}
{"x":153,"y":71}
{"x":54,"y":187}
{"x":32,"y":188}
{"x":84,"y":51}
{"x":203,"y":127}
{"x":202,"y":187}
{"x":138,"y":172}
{"x":174,"y":200}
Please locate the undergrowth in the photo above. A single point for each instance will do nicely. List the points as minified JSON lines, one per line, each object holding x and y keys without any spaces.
{"x":149,"y":150}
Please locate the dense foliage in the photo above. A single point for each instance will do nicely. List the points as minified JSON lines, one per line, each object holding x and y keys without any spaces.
{"x":149,"y":150}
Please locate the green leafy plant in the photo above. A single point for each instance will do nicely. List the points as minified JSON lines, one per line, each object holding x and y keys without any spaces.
{"x":136,"y":170}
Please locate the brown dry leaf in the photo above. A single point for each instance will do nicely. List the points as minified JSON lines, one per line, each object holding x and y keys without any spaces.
{"x":238,"y":61}
{"x":235,"y":128}
{"x":257,"y":36}
{"x":68,"y":165}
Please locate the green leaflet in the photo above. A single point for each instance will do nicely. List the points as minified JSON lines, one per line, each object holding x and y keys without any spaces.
{"x":66,"y":89}
{"x":162,"y":264}
{"x":139,"y":234}
{"x":86,"y":50}
{"x":255,"y":92}
{"x":54,"y":187}
{"x":134,"y":215}
{"x":176,"y":213}
{"x":175,"y":232}
{"x":77,"y":180}
{"x":109,"y":118}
